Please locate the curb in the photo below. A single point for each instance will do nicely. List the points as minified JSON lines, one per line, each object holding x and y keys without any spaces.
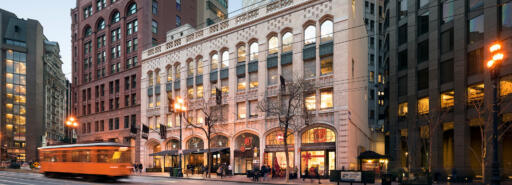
{"x":238,"y":181}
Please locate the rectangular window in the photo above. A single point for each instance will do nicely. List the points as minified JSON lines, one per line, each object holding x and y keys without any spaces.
{"x":154,"y":27}
{"x":224,"y":84}
{"x":372,"y":78}
{"x":241,"y":110}
{"x":402,"y":109}
{"x":423,"y":3}
{"x":446,"y":71}
{"x":170,"y":120}
{"x":110,"y":124}
{"x":402,"y":34}
{"x":178,"y":21}
{"x":199,"y":91}
{"x":423,"y":23}
{"x":127,"y":122}
{"x":422,"y":51}
{"x":310,"y":69}
{"x":190,"y":92}
{"x":475,"y":5}
{"x":253,"y":80}
{"x":475,"y":62}
{"x":253,"y":109}
{"x":402,"y":86}
{"x":422,"y":79}
{"x":505,"y":85}
{"x":446,"y":41}
{"x":272,"y":77}
{"x":402,"y":60}
{"x":150,"y":101}
{"x":326,"y":100}
{"x":311,"y":102}
{"x":506,"y":17}
{"x":447,"y":11}
{"x":241,"y":84}
{"x":475,"y":92}
{"x":447,"y":99}
{"x":476,"y":29}
{"x":402,"y":7}
{"x":117,"y":123}
{"x":326,"y":65}
{"x":154,"y":7}
{"x":287,"y":72}
{"x":423,"y":106}
{"x":157,"y":101}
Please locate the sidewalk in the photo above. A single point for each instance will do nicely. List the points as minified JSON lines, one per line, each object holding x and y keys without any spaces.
{"x":238,"y":178}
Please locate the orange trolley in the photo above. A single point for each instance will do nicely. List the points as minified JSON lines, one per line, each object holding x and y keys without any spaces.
{"x":91,"y":160}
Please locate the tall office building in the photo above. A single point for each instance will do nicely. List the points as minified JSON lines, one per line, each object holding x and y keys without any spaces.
{"x":439,"y":89}
{"x":107,"y":41}
{"x":210,"y":12}
{"x":55,"y":95}
{"x":25,"y":54}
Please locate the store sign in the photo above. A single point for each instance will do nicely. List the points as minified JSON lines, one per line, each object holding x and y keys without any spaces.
{"x":350,"y":176}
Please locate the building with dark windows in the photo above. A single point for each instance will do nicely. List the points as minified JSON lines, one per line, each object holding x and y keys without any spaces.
{"x":108,"y":37}
{"x":244,"y":57}
{"x":25,"y":54}
{"x":439,"y":87}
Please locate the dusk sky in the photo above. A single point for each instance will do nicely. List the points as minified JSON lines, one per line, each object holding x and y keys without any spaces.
{"x":56,"y":21}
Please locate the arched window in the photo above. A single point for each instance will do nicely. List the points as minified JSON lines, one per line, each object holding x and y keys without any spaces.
{"x":225,"y":59}
{"x":191,"y":68}
{"x":219,"y":141}
{"x":241,"y":53}
{"x":309,"y":35}
{"x":88,"y":31}
{"x":273,"y":45}
{"x":177,"y":71}
{"x":157,"y":77}
{"x":169,"y":74}
{"x":199,"y":66}
{"x":116,"y":17}
{"x":132,"y":9}
{"x":215,"y":62}
{"x":277,"y":138}
{"x":326,"y":30}
{"x":195,"y":143}
{"x":150,"y":78}
{"x":173,"y":144}
{"x":318,"y":135}
{"x":253,"y":50}
{"x":287,"y":42}
{"x":101,"y":25}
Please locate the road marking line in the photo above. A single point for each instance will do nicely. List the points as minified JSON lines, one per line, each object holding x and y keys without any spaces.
{"x":8,"y":181}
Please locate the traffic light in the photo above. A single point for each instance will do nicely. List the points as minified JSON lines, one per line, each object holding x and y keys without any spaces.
{"x":170,"y":106}
{"x":496,"y":58}
{"x":218,"y":96}
{"x":163,"y":131}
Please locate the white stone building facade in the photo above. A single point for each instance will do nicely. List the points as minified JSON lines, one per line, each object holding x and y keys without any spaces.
{"x":323,"y":41}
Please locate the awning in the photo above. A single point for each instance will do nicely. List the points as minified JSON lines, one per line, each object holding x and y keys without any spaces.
{"x":371,"y":155}
{"x":165,"y":153}
{"x":200,"y":151}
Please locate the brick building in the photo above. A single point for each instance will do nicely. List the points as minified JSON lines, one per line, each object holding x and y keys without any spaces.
{"x":108,"y":37}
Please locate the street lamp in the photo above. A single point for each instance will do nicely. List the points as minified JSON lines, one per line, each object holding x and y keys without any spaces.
{"x":72,"y":124}
{"x":493,"y":65}
{"x":180,"y":108}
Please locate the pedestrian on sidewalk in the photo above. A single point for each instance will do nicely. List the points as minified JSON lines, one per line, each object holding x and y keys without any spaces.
{"x":306,"y":174}
{"x":264,"y":172}
{"x":317,"y":174}
{"x":219,"y":171}
{"x":140,"y":167}
{"x":230,"y":170}
{"x":135,"y":167}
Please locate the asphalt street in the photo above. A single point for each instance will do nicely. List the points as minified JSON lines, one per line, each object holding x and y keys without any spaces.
{"x":34,"y":178}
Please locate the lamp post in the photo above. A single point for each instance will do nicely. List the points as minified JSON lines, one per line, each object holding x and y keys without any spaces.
{"x":180,"y":108}
{"x":72,"y":124}
{"x":493,"y":67}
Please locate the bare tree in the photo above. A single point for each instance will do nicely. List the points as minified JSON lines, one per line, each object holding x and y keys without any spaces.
{"x":289,"y":108}
{"x":212,"y":118}
{"x":483,"y":112}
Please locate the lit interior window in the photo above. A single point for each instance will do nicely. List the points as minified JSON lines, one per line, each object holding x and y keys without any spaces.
{"x":423,"y":105}
{"x":447,"y":99}
{"x":402,"y":109}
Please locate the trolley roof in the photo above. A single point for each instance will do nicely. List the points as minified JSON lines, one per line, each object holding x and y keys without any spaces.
{"x":83,"y":145}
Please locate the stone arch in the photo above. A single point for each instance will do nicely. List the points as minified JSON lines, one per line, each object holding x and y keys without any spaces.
{"x":308,"y":23}
{"x":286,"y":29}
{"x":111,"y":16}
{"x":98,"y":21}
{"x":128,"y":5}
{"x":326,"y":17}
{"x":84,"y":30}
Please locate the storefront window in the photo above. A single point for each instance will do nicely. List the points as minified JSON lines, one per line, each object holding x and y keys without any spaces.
{"x":475,"y":92}
{"x":277,"y":138}
{"x":447,"y":99}
{"x":318,"y":135}
{"x":318,"y":159}
{"x":247,"y":148}
{"x":423,"y":106}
